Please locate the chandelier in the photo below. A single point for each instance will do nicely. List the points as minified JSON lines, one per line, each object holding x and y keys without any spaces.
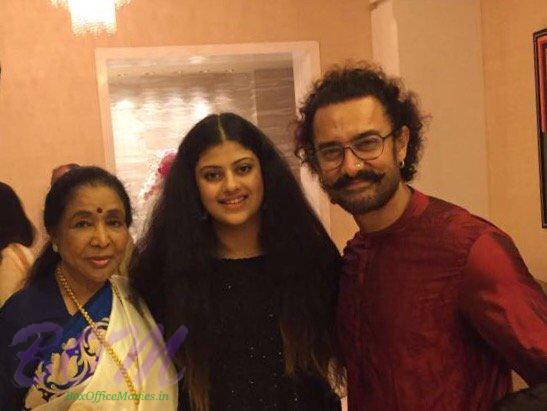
{"x":92,"y":16}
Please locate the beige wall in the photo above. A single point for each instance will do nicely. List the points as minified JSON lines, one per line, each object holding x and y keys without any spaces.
{"x":511,"y":124}
{"x":436,"y":47}
{"x":440,"y":57}
{"x":49,"y":110}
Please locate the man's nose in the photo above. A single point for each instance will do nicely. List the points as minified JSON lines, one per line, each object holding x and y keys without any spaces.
{"x":351,"y":164}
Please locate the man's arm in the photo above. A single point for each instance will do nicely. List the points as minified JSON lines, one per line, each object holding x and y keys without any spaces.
{"x":506,"y":306}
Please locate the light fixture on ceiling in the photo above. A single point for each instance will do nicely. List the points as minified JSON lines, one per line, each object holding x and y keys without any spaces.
{"x":92,"y":16}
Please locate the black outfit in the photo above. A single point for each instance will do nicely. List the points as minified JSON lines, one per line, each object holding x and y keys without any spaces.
{"x":529,"y":399}
{"x":247,"y":368}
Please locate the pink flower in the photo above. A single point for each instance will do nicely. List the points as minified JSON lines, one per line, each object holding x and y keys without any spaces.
{"x":166,"y":163}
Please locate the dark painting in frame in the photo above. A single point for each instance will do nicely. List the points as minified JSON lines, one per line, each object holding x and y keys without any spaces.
{"x":540,"y":64}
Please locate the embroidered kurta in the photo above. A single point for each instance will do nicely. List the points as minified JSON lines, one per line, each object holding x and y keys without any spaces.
{"x":435,"y":311}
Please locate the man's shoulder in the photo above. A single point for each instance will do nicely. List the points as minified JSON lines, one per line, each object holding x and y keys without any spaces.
{"x":434,"y":223}
{"x":452,"y":218}
{"x":440,"y":206}
{"x":455,"y":225}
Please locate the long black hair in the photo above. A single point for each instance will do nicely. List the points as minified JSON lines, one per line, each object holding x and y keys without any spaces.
{"x":15,"y":227}
{"x":172,"y":268}
{"x":57,"y":199}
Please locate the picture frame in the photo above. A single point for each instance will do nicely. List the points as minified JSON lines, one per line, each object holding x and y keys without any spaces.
{"x":540,"y":67}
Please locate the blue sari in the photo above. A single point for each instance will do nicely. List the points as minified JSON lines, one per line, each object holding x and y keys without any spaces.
{"x":36,"y":331}
{"x":50,"y":360}
{"x":73,"y":355}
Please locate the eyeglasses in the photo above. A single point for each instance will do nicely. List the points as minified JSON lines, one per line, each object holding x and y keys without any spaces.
{"x":367,"y":147}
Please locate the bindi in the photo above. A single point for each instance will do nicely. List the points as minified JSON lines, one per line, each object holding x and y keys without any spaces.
{"x":99,"y":210}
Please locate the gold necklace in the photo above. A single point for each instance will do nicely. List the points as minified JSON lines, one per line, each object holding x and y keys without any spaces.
{"x":99,"y":334}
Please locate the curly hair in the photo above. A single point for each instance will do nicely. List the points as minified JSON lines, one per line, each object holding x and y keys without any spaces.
{"x":350,"y":82}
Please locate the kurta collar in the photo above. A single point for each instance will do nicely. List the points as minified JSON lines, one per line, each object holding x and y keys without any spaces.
{"x":415,"y":207}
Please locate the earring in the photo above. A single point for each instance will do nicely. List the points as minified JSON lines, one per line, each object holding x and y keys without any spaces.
{"x":54,"y":247}
{"x":359,"y":165}
{"x":203,"y":216}
{"x":402,"y":164}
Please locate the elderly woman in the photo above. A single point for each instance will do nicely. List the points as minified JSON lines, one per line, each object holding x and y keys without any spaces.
{"x":76,"y":337}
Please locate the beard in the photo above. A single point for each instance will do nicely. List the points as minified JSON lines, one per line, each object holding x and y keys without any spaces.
{"x":382,"y":187}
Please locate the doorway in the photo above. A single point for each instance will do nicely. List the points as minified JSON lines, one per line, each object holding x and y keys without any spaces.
{"x":151,"y":97}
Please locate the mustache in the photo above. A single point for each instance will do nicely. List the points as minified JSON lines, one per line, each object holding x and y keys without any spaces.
{"x":363,"y":175}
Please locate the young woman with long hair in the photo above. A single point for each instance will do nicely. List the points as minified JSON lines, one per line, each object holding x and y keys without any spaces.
{"x":236,"y":254}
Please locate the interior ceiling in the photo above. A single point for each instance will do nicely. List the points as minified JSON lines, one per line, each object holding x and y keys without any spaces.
{"x":175,"y":66}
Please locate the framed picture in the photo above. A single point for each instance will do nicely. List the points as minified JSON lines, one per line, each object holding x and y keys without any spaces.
{"x":540,"y":63}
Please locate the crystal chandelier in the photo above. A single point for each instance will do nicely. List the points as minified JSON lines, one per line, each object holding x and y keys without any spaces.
{"x":92,"y":16}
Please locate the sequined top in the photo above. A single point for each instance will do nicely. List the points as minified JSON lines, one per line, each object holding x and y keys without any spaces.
{"x":247,"y":367}
{"x":435,"y":311}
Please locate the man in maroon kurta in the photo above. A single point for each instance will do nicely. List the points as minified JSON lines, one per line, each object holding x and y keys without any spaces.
{"x":436,"y":305}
